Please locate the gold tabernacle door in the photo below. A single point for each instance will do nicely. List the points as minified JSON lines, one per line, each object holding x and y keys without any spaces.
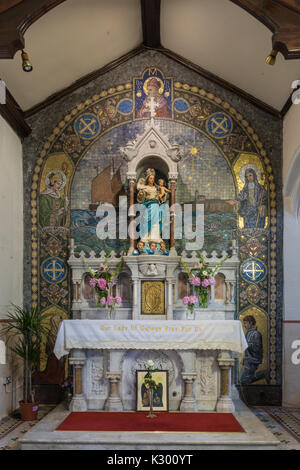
{"x":153,"y":298}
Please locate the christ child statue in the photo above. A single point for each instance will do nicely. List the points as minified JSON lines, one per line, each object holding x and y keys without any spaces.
{"x":162,"y":189}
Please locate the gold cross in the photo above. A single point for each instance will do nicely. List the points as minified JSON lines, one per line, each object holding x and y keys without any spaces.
{"x":54,"y":270}
{"x":87,"y":125}
{"x":152,"y":107}
{"x":219,"y":125}
{"x":254,"y":271}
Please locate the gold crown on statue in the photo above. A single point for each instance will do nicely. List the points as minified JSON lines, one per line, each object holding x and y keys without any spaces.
{"x":150,"y":172}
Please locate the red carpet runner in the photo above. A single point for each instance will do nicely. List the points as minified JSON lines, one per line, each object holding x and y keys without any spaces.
{"x":138,"y":422}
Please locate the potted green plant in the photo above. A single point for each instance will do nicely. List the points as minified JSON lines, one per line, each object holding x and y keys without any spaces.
{"x":26,"y":327}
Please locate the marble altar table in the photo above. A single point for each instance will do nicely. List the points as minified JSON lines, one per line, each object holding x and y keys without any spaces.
{"x":105,"y":354}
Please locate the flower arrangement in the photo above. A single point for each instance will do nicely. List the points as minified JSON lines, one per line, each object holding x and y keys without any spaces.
{"x":151,"y":385}
{"x":102,"y":281}
{"x":190,"y":302}
{"x":202,"y":278}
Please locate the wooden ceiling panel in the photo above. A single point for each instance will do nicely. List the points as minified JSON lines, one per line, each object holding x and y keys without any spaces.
{"x":16,"y":19}
{"x":282,"y":18}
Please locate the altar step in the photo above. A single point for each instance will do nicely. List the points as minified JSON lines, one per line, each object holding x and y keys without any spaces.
{"x":43,"y":436}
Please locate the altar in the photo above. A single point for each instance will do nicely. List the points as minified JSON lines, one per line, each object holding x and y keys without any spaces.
{"x":197,"y":347}
{"x":105,"y":354}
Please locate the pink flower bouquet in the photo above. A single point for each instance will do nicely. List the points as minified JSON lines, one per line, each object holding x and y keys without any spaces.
{"x":202,"y":278}
{"x":190,"y":302}
{"x":103,"y":281}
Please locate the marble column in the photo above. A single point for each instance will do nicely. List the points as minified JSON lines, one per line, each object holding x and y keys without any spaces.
{"x":113,"y":402}
{"x":131,"y":214}
{"x":172,"y":181}
{"x":229,"y":291}
{"x":135,"y":298}
{"x":172,"y":220}
{"x":188,"y":402}
{"x":169,"y":299}
{"x":224,"y":402}
{"x":77,"y":359}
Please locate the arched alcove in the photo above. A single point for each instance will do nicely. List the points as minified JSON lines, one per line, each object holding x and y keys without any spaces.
{"x":220,"y":288}
{"x":160,"y":166}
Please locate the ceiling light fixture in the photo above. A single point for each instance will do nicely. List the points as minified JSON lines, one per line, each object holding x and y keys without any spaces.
{"x":271,"y":59}
{"x":26,"y":64}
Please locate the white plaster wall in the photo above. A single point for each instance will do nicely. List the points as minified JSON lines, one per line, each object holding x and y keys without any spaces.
{"x":291,"y":257}
{"x":11,"y":247}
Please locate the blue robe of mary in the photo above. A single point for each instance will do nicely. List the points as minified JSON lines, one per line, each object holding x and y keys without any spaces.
{"x":153,"y":217}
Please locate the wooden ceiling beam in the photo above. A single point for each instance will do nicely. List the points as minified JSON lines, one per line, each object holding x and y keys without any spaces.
{"x":14,"y":116}
{"x":282,"y":17}
{"x":16,"y":20}
{"x":150,"y":10}
{"x":6,"y":4}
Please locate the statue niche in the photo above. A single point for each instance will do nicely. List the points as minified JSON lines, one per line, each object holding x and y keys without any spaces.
{"x":153,"y":195}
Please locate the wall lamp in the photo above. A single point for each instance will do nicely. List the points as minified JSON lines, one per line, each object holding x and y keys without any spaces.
{"x":271,"y":59}
{"x":26,"y":64}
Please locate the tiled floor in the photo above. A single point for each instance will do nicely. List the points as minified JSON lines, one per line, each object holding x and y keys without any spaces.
{"x":282,"y":422}
{"x":11,"y":429}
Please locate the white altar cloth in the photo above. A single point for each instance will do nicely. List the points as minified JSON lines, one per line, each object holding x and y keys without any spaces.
{"x":150,"y":334}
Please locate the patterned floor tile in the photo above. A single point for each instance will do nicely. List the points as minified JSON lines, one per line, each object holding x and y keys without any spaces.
{"x":284,"y":423}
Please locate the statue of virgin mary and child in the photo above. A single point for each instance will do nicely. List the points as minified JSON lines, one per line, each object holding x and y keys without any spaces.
{"x":154,"y":199}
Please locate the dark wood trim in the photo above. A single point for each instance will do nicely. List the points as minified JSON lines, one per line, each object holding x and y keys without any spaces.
{"x":6,"y":4}
{"x":293,"y":5}
{"x":257,"y":11}
{"x":286,"y":107}
{"x":150,"y":10}
{"x":14,"y":116}
{"x":219,"y":81}
{"x":288,"y":104}
{"x":17,"y":19}
{"x":83,"y":81}
{"x":282,"y":18}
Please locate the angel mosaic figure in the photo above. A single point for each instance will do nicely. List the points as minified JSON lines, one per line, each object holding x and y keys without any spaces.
{"x":154,"y":216}
{"x":53,"y":207}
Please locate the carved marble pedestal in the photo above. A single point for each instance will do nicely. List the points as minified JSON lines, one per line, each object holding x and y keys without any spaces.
{"x":78,"y":402}
{"x":225,"y":403}
{"x":114,"y":402}
{"x":188,"y":402}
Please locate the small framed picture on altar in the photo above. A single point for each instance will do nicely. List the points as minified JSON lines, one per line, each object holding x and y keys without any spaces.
{"x":160,"y":394}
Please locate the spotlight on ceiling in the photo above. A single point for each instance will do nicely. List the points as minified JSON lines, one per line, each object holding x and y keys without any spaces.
{"x":26,"y":64}
{"x":271,"y":59}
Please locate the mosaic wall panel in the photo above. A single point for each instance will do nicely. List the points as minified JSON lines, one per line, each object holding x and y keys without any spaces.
{"x":225,"y":166}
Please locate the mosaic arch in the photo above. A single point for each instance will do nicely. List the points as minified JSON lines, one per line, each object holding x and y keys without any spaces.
{"x":83,"y":148}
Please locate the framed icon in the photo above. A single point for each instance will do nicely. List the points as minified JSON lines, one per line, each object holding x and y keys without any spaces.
{"x":160,"y":395}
